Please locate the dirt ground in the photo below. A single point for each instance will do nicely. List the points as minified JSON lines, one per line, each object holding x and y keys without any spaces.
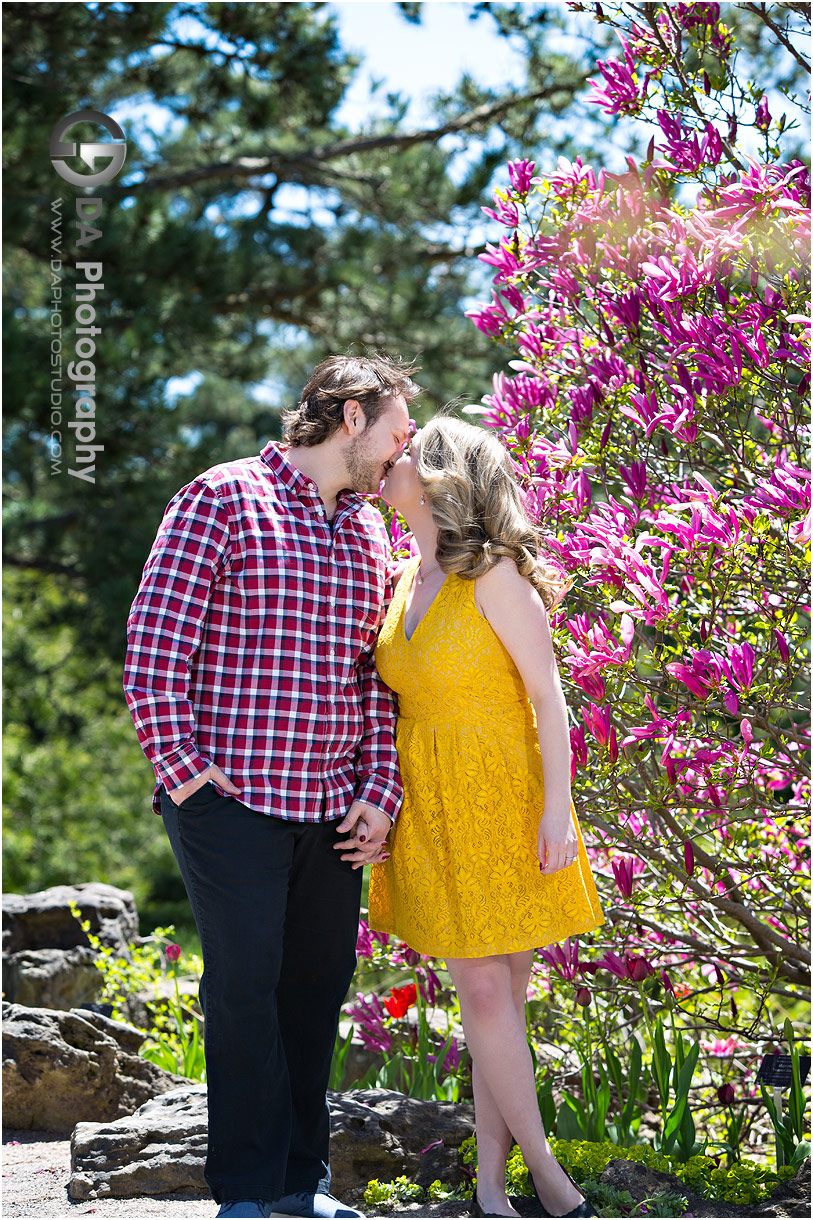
{"x":36,"y":1169}
{"x":37,"y":1166}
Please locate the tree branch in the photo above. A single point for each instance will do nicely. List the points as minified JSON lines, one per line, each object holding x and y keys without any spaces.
{"x":688,"y":91}
{"x":283,"y":165}
{"x":774,"y":946}
{"x":760,"y":10}
{"x":41,"y":565}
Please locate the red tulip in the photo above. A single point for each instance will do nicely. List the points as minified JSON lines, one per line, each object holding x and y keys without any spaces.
{"x":400,"y":1000}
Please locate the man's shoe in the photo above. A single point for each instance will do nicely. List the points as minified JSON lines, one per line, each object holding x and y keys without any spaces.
{"x":234,"y":1208}
{"x":307,"y":1203}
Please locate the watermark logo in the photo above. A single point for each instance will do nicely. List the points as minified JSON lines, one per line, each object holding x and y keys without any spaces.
{"x":60,"y":149}
{"x":88,"y":293}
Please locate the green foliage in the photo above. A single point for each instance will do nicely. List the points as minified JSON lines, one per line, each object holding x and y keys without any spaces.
{"x":77,"y":789}
{"x":415,"y":1076}
{"x":174,"y":1035}
{"x":747,"y":1182}
{"x":677,"y":1132}
{"x":384,"y":1195}
{"x":791,"y":1145}
{"x":339,"y":1060}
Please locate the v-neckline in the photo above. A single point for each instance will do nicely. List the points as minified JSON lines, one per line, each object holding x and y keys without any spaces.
{"x":428,"y":610}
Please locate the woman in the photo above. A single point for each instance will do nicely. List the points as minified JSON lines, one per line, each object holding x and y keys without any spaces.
{"x":487,"y":860}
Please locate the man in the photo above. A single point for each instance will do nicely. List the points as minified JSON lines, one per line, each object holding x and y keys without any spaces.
{"x":251,"y":682}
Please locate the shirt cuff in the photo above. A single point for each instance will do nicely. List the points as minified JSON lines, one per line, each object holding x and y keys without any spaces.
{"x":381,"y":795}
{"x":180,"y":767}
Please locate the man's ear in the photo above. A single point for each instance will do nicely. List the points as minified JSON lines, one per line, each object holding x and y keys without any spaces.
{"x":353,"y":417}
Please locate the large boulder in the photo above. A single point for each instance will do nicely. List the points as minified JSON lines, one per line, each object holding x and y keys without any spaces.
{"x":60,"y":1068}
{"x":44,"y":920}
{"x":51,"y":978}
{"x":374,"y":1134}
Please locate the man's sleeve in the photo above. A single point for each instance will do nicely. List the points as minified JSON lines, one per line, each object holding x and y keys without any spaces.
{"x":378,"y":771}
{"x":164,"y":631}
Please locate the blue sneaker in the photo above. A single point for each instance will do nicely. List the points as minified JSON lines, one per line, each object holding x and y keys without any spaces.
{"x":234,"y":1208}
{"x":308,"y":1203}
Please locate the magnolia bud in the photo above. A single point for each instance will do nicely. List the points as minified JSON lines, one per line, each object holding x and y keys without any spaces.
{"x":688,"y":857}
{"x":583,"y":996}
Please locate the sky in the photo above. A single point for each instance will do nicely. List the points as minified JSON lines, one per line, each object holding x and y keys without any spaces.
{"x":420,"y":60}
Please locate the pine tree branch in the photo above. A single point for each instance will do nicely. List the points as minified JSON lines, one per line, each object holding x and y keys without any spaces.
{"x":291,"y":167}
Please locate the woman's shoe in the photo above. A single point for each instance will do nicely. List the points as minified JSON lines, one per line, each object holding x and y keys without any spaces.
{"x":476,"y":1209}
{"x":581,"y":1210}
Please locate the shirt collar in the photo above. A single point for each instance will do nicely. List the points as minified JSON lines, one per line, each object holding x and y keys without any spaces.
{"x":298,"y":483}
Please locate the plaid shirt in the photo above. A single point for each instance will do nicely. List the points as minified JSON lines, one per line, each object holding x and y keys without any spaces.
{"x":251,"y":642}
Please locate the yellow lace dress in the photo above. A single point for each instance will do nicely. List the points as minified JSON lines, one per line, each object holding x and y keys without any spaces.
{"x":463,"y":878}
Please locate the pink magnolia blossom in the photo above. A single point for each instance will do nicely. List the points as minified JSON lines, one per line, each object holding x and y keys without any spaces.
{"x":621,"y":93}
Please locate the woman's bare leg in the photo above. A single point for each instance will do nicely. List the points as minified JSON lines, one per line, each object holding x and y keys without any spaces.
{"x":494,"y":1140}
{"x":488,"y":988}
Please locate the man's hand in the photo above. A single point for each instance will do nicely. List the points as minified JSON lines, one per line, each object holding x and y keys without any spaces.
{"x":178,"y":795}
{"x":367,"y":828}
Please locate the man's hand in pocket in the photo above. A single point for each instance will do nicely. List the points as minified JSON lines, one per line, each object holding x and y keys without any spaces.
{"x":179,"y":795}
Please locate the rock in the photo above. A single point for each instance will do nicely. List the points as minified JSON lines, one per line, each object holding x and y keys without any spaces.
{"x":642,"y":1181}
{"x":159,"y":1149}
{"x":374,"y":1134}
{"x":51,"y":978}
{"x":44,"y":920}
{"x":60,"y":1068}
{"x":791,"y":1198}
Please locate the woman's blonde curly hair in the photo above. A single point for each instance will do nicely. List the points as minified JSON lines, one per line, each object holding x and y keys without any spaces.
{"x":469,"y":482}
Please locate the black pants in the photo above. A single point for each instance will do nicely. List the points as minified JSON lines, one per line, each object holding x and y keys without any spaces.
{"x":277,"y":913}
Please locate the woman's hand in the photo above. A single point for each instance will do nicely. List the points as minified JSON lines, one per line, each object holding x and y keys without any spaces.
{"x":366,"y":829}
{"x":557,"y":843}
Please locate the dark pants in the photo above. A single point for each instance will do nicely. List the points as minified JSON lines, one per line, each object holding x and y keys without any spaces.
{"x":277,"y":913}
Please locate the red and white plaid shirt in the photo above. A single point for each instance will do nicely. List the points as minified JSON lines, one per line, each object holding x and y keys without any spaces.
{"x":251,"y":642}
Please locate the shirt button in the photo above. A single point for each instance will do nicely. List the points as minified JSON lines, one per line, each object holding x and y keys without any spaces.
{"x":331,"y":699}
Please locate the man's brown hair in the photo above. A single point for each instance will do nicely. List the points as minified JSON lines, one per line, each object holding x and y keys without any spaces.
{"x":370,"y":380}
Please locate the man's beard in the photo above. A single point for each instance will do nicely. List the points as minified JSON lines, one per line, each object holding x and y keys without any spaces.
{"x":364,"y":474}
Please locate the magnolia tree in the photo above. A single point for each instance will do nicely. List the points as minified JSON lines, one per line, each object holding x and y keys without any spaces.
{"x":655,"y":406}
